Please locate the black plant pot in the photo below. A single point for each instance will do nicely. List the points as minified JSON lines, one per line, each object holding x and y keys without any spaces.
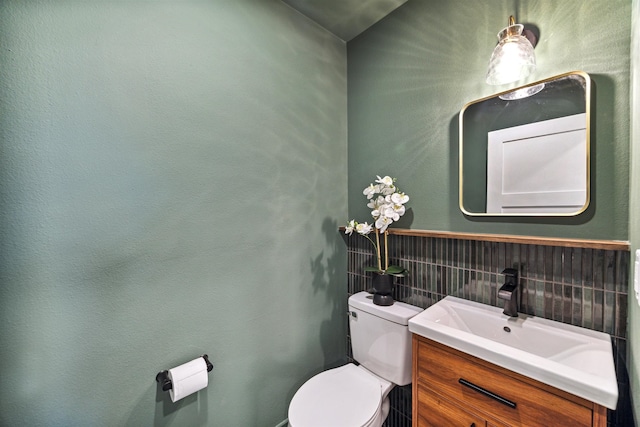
{"x":382,"y":287}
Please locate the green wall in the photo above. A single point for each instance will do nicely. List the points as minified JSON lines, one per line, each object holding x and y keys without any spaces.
{"x":172,"y":175}
{"x":633,"y":363}
{"x":411,"y":74}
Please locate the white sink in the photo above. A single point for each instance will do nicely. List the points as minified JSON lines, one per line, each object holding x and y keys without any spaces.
{"x":570,"y":358}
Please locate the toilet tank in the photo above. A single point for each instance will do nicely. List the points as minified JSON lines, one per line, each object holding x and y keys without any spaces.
{"x":380,"y":337}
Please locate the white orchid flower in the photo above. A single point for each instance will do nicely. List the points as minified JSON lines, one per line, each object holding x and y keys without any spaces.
{"x":371,"y":190}
{"x":386,"y":185}
{"x":399,"y":209}
{"x":350,"y":227}
{"x":399,"y":198}
{"x":387,"y":180}
{"x":375,"y":204}
{"x":382,"y":223}
{"x":388,"y":190}
{"x":364,"y":229}
{"x":391,"y":213}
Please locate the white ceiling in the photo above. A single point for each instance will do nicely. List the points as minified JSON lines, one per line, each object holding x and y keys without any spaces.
{"x":345,"y":18}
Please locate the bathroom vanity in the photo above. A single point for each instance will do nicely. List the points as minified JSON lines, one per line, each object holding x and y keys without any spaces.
{"x":475,"y":366}
{"x":454,"y":388}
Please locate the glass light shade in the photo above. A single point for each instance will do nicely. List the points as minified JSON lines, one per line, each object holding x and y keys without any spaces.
{"x":513,"y":57}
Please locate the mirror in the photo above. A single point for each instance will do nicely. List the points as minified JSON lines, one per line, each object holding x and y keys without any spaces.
{"x":525,"y":151}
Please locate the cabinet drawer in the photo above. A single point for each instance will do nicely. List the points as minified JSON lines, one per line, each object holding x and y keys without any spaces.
{"x":437,"y":411}
{"x":491,"y":390}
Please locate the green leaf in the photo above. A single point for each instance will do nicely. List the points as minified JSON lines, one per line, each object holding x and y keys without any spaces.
{"x":404,"y":274}
{"x":375,"y":269}
{"x":396,"y":270}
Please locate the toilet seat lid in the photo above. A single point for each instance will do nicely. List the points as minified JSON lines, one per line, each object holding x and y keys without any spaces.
{"x":344,"y":396}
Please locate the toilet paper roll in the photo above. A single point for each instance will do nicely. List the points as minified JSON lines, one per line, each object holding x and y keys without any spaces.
{"x":188,"y":378}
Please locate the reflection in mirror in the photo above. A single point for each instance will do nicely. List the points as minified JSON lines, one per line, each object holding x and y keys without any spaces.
{"x":525,"y":152}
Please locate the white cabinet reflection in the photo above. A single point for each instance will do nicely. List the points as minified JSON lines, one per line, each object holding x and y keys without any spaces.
{"x":538,"y":167}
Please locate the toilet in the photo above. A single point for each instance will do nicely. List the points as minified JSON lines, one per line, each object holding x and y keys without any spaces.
{"x":357,"y":395}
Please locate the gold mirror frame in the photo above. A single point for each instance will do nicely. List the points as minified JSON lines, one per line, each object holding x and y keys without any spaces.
{"x":559,"y":96}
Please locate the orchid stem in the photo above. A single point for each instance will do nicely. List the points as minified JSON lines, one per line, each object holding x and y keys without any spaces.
{"x":386,"y":250}
{"x":378,"y":249}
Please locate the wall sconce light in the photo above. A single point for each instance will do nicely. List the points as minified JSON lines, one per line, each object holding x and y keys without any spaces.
{"x":513,"y":57}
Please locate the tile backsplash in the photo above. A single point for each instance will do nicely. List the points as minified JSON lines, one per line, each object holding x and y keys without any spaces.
{"x":579,"y":286}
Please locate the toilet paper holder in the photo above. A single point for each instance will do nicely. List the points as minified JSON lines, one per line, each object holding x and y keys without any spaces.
{"x":165,"y":382}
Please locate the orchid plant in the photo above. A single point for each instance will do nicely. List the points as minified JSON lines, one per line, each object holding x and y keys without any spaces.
{"x":387,"y":206}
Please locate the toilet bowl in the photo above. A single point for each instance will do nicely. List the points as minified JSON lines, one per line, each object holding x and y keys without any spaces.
{"x":356,"y":395}
{"x":348,"y":396}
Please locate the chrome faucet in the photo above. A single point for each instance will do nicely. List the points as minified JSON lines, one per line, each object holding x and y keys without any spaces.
{"x":509,"y":292}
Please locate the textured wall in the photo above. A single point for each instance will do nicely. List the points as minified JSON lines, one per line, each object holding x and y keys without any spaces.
{"x":411,"y":73}
{"x":172,"y":175}
{"x":634,"y":204}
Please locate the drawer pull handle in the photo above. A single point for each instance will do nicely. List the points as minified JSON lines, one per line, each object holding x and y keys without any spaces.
{"x":486,"y":392}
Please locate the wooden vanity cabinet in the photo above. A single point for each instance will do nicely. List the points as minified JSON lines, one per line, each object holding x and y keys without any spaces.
{"x":452,"y":388}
